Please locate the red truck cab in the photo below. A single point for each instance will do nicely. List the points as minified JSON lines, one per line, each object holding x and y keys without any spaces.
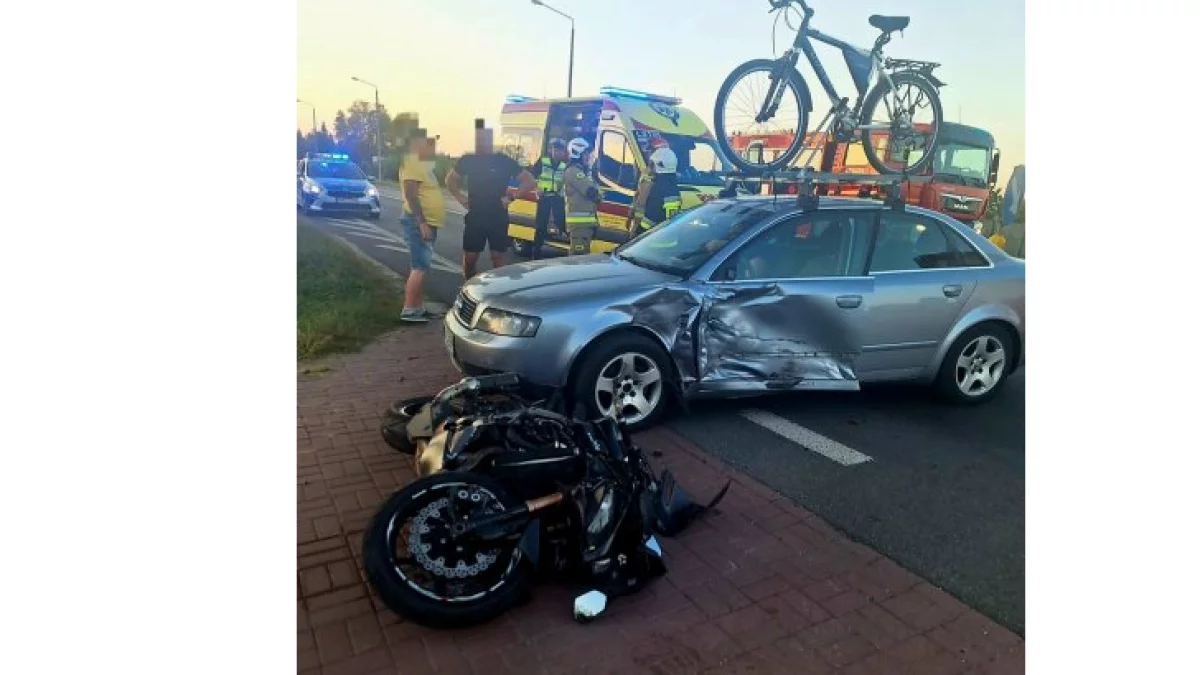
{"x":962,"y":174}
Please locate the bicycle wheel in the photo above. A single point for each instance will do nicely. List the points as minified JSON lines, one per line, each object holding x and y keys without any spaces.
{"x":913,"y":115}
{"x":739,"y":102}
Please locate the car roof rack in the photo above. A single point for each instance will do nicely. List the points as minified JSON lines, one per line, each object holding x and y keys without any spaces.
{"x":806,"y":182}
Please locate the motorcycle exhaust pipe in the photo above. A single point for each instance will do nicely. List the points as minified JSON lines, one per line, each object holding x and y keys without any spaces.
{"x":508,"y":524}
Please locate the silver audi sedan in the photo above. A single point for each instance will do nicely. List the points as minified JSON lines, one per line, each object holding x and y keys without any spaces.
{"x":749,"y":296}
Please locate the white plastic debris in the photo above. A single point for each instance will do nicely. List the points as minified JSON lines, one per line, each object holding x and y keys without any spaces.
{"x":589,"y":606}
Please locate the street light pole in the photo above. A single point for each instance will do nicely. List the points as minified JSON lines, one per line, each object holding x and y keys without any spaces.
{"x":571,"y":59}
{"x":314,"y":123}
{"x":378,"y":136}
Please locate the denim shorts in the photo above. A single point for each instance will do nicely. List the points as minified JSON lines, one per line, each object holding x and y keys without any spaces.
{"x":420,"y":251}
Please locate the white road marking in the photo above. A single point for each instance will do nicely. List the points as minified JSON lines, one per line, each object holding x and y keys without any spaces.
{"x":369,"y":235}
{"x":364,"y":228}
{"x":806,"y":438}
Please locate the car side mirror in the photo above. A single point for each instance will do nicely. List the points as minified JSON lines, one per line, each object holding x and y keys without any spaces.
{"x":994,"y":171}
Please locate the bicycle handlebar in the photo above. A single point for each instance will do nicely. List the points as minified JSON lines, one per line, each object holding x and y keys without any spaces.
{"x":781,"y":4}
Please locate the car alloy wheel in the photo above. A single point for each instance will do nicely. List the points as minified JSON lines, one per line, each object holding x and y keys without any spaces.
{"x":980,"y":366}
{"x":629,"y":388}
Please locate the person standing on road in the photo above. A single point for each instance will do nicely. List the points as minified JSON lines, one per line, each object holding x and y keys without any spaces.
{"x":488,"y":175}
{"x":657,"y":198}
{"x":550,"y":206}
{"x":582,"y":196}
{"x":423,"y":212}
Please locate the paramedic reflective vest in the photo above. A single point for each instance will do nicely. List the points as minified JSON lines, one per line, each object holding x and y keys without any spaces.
{"x":550,"y":177}
{"x":662,"y":203}
{"x":581,"y":209}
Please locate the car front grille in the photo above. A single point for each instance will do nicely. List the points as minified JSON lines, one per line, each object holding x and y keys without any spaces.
{"x":346,"y":194}
{"x":345,"y":207}
{"x":465,"y":309}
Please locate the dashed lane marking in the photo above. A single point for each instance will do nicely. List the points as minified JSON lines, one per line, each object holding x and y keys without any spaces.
{"x":806,"y":438}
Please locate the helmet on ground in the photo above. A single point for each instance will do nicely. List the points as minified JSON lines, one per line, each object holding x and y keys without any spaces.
{"x":558,"y":144}
{"x":664,"y":160}
{"x":577,"y":148}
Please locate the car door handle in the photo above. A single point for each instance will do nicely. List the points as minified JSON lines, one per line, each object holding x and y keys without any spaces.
{"x":849,"y":301}
{"x":952,"y":290}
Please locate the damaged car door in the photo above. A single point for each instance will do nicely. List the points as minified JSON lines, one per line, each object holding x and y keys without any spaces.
{"x":786,"y":309}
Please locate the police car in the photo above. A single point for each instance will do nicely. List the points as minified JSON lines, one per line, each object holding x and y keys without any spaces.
{"x":327,"y":182}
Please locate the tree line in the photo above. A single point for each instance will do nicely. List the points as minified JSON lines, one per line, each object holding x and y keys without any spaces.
{"x":354,"y":135}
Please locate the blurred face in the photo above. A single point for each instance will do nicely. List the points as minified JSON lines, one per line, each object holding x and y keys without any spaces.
{"x":558,"y":154}
{"x":483,"y":141}
{"x":426,"y":148}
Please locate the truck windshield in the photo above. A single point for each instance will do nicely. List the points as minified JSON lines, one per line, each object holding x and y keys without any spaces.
{"x":962,"y":164}
{"x":683,"y":244}
{"x":334,"y":170}
{"x":700,"y":162}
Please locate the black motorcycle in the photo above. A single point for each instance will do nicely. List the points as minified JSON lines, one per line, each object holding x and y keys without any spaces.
{"x":511,"y":490}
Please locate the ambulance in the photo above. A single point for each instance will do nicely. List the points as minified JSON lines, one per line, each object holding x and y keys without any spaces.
{"x":619,"y":124}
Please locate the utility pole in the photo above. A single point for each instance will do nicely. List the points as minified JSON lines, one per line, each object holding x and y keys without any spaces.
{"x":378,"y":137}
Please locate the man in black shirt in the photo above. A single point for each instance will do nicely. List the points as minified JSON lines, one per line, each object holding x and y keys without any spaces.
{"x":488,"y":175}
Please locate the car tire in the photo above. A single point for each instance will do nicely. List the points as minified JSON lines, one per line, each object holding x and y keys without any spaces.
{"x":373,"y":216}
{"x":601,"y":359}
{"x":972,"y":356}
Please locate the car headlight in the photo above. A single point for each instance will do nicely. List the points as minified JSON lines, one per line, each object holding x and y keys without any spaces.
{"x":371,"y":191}
{"x":510,"y":324}
{"x":312,"y":187}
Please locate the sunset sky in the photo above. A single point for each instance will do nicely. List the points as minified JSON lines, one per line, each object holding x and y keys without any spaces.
{"x":454,"y":60}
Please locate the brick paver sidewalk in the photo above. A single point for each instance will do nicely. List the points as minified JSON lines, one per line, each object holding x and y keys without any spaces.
{"x":762,"y":586}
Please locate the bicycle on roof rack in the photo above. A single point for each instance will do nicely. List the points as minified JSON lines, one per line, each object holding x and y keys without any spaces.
{"x":904,"y":90}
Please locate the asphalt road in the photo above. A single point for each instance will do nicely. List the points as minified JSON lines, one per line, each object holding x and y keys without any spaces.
{"x":943,"y":490}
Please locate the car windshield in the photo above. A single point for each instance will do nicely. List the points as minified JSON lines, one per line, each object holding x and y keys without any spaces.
{"x":962,"y":164}
{"x":335,"y":170}
{"x":683,"y":244}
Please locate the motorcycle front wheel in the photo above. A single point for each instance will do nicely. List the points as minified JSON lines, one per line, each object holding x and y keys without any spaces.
{"x":423,"y":574}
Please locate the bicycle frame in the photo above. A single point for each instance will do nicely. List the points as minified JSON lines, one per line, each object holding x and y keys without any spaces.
{"x":861,"y":63}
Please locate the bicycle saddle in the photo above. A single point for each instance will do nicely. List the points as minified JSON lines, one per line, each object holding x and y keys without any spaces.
{"x":888,"y":24}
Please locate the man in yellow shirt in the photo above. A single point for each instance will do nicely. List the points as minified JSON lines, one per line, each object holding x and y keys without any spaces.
{"x":424,"y":212}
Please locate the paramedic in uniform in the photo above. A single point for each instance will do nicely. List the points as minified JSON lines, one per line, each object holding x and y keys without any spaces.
{"x":582,"y":196}
{"x":549,"y":174}
{"x":657,"y":198}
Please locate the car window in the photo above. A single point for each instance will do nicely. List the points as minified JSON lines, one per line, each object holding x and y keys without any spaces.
{"x":335,"y":170}
{"x":968,"y":255}
{"x":616,"y":161}
{"x":810,"y":246}
{"x":908,"y":241}
{"x":687,"y":241}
